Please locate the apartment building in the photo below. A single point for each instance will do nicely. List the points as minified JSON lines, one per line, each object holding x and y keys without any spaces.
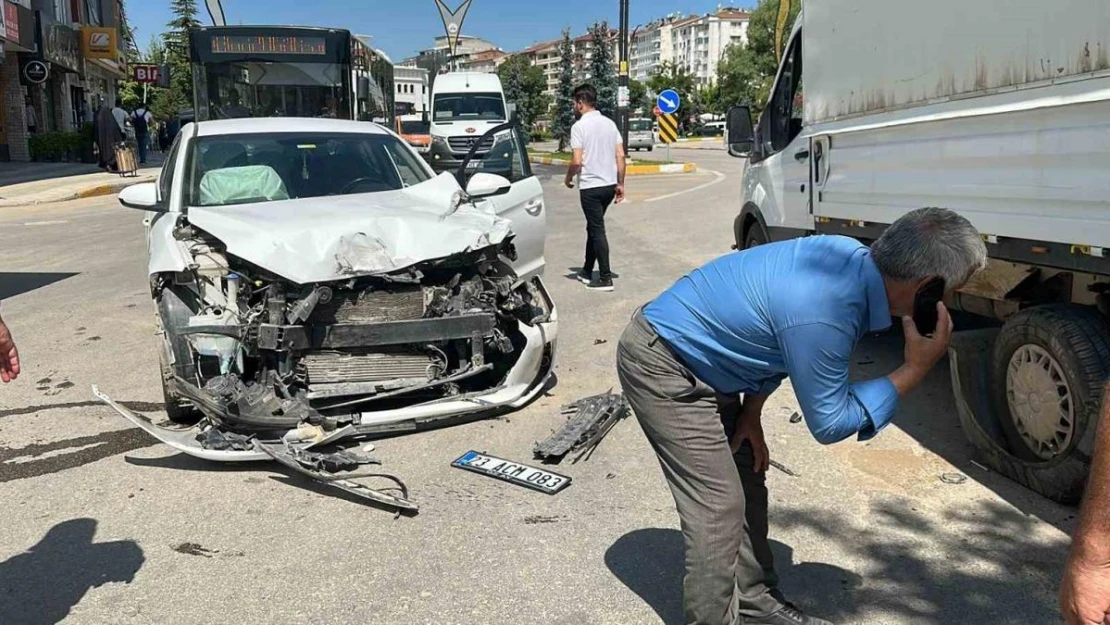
{"x":485,"y":61}
{"x":698,"y":43}
{"x":545,"y":55}
{"x":649,"y":47}
{"x":413,"y":90}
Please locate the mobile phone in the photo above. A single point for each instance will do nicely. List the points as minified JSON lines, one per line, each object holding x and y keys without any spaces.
{"x":925,"y":306}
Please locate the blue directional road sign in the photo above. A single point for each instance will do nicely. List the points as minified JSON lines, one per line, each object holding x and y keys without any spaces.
{"x":668,"y":101}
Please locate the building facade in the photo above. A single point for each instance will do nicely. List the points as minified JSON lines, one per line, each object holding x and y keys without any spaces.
{"x":699,"y":43}
{"x":61,"y":58}
{"x":545,"y":55}
{"x":413,"y":90}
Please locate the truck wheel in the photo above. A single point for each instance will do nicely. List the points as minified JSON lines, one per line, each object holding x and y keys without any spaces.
{"x":1049,"y":366}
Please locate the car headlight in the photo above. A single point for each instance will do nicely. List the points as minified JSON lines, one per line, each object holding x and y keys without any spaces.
{"x":438,"y":140}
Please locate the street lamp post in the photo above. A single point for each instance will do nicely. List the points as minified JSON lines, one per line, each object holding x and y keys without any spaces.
{"x":622,"y":110}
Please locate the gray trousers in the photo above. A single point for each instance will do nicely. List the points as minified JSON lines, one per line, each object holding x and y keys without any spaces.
{"x":722,"y":504}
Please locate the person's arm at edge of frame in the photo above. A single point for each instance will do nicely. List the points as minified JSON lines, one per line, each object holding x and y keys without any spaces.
{"x":575,"y":165}
{"x":621,"y":167}
{"x":1085,"y":589}
{"x":9,"y":355}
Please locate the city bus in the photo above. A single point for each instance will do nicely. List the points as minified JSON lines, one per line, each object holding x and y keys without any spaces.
{"x":287,"y":71}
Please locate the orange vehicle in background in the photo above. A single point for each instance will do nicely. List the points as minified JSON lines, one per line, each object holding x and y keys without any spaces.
{"x":416,"y":130}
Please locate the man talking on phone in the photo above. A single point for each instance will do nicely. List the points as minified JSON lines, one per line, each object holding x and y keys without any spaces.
{"x":698,"y":363}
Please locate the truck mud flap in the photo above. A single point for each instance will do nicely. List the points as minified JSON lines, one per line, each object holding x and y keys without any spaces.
{"x":183,"y":440}
{"x":288,"y":457}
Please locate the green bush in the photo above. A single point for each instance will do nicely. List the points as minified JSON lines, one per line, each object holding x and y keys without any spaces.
{"x":54,"y":146}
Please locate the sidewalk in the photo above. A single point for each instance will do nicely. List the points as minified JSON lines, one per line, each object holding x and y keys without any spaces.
{"x":25,"y":184}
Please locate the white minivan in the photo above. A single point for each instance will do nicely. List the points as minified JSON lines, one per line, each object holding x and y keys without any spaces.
{"x":464,"y":106}
{"x":1000,"y":111}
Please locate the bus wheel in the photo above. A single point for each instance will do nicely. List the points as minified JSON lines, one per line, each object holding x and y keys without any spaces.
{"x":1048,"y":370}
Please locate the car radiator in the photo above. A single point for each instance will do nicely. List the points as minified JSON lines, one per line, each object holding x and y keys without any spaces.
{"x":332,"y":367}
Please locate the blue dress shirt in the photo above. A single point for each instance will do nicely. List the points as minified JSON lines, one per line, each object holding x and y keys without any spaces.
{"x":746,"y":321}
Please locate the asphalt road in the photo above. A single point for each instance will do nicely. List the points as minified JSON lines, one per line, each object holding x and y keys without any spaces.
{"x":102,"y":525}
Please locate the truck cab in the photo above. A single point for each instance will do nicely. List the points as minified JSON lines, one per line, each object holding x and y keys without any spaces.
{"x":912,"y":105}
{"x":464,"y":106}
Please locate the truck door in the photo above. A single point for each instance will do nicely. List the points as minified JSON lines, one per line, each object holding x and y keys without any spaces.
{"x":786,"y":145}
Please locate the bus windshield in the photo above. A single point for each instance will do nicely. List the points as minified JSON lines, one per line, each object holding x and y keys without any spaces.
{"x":272,"y":89}
{"x":455,"y":107}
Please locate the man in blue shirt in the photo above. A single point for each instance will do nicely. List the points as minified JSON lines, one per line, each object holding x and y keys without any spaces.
{"x":698,"y":363}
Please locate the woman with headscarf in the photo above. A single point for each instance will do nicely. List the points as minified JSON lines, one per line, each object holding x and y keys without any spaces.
{"x":108,"y":134}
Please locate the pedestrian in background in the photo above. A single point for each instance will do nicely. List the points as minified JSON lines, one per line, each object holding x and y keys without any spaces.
{"x":598,"y":161}
{"x":120,"y":116}
{"x":107,"y":132}
{"x":29,"y":114}
{"x":698,"y":363}
{"x":9,"y":355}
{"x":140,"y":121}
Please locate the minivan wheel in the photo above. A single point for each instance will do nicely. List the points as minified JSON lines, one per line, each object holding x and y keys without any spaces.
{"x":1049,"y":366}
{"x":755,"y":237}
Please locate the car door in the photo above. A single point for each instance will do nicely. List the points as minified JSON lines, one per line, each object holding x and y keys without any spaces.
{"x":787,"y":146}
{"x":523,"y":205}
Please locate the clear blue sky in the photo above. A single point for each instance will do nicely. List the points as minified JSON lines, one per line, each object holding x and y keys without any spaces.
{"x":401,"y":27}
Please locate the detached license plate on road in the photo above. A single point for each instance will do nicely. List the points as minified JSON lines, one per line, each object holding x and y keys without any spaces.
{"x":520,"y":474}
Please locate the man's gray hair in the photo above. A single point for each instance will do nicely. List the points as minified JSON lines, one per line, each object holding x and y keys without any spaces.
{"x":927,"y":243}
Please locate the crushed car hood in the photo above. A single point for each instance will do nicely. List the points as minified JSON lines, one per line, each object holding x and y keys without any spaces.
{"x":338,"y":237}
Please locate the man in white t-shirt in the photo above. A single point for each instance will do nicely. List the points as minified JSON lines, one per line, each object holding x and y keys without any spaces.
{"x":598,"y":161}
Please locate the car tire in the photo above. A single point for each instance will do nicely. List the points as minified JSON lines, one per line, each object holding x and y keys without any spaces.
{"x":650,"y":148}
{"x":175,"y":304}
{"x":1048,"y":368}
{"x":755,"y":237}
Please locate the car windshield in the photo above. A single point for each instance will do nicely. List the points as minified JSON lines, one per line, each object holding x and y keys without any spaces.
{"x":250,"y":168}
{"x":451,"y":107}
{"x":639,"y":125}
{"x":416,"y":127}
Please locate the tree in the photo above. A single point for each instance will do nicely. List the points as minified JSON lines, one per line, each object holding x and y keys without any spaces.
{"x":746,"y":73}
{"x":602,"y":73}
{"x":638,"y":99}
{"x":563,"y":116}
{"x":524,"y":84}
{"x":176,"y":41}
{"x":131,"y":92}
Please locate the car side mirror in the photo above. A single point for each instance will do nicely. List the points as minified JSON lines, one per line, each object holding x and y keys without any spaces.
{"x":483,"y":185}
{"x":741,"y":134}
{"x":143,"y":196}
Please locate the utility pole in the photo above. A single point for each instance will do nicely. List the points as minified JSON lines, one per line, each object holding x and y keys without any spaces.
{"x":622,"y":91}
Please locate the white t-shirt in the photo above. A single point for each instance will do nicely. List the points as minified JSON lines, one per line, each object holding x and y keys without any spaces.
{"x":121,"y":118}
{"x":597,"y":136}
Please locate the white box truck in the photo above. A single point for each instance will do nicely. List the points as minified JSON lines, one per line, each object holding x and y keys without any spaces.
{"x":999,"y":110}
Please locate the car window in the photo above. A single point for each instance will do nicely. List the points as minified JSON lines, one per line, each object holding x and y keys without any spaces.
{"x":450,"y":107}
{"x":249,"y":168}
{"x":416,"y":127}
{"x":639,"y":125}
{"x":506,"y":157}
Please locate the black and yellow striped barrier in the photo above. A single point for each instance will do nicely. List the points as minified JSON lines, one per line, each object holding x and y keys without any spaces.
{"x":668,"y":128}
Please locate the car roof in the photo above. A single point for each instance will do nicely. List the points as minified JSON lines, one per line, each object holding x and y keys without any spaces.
{"x":256,"y":125}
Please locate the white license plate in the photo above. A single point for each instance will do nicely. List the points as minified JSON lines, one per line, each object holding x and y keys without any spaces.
{"x":520,"y":474}
{"x":474,"y":164}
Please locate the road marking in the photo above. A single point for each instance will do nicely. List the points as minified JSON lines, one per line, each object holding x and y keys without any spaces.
{"x":45,"y":223}
{"x":719,"y":177}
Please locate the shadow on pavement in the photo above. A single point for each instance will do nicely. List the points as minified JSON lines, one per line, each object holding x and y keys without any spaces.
{"x":17,"y":283}
{"x":39,"y":459}
{"x":42,"y":585}
{"x":929,"y":416}
{"x":921,"y":571}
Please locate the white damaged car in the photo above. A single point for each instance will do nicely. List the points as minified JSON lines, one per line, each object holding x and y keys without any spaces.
{"x":314,"y":280}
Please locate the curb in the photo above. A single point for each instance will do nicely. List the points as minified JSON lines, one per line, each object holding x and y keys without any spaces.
{"x":109,"y":188}
{"x":699,"y":139}
{"x":632,"y":170}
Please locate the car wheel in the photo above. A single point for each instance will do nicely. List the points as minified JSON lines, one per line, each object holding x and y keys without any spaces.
{"x":755,"y":237}
{"x":1048,"y":369}
{"x":650,"y":148}
{"x":176,"y":305}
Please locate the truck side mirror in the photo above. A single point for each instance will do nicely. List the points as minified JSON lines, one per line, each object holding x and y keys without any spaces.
{"x":741,"y":135}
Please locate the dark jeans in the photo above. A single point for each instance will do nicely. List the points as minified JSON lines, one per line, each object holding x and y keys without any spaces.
{"x":722,"y":503}
{"x":594,"y":204}
{"x":143,"y":141}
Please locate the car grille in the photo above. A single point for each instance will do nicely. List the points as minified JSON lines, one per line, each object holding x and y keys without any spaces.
{"x":332,"y":367}
{"x":397,"y":304}
{"x":463,"y":144}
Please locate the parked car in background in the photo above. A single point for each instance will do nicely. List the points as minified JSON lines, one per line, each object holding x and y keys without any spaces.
{"x":640,"y":134}
{"x":710,"y":129}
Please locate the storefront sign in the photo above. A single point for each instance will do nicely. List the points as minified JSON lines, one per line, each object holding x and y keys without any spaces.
{"x":11,"y":21}
{"x":58,"y":43}
{"x":35,"y":72}
{"x":99,"y":43}
{"x":145,"y":73}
